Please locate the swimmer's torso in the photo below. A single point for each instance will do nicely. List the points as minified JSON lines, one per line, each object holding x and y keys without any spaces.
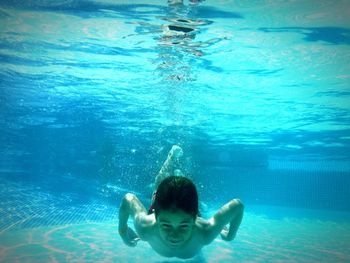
{"x":188,"y":249}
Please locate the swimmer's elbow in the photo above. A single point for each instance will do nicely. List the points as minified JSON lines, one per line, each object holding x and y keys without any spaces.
{"x":126,"y":201}
{"x":129,"y":197}
{"x":236,"y":204}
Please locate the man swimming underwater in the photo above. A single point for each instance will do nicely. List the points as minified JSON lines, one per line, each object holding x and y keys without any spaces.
{"x":172,"y":226}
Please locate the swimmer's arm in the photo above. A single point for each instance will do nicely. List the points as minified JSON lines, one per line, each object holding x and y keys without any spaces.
{"x":231,"y":213}
{"x":130,"y":206}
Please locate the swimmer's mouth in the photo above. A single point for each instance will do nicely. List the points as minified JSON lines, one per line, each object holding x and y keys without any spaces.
{"x":174,"y":242}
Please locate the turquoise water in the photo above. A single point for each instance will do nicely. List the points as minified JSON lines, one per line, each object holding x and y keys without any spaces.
{"x":93,"y":94}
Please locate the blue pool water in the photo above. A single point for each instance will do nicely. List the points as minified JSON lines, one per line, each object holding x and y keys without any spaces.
{"x":93,"y":94}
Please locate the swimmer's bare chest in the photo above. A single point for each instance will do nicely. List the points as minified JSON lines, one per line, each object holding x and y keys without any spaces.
{"x":188,"y":250}
{"x":150,"y":234}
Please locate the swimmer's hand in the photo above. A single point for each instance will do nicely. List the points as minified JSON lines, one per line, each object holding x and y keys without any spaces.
{"x":226,"y":235}
{"x":129,"y":237}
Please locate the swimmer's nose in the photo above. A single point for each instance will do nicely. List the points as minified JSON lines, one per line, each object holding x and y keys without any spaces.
{"x":174,"y":236}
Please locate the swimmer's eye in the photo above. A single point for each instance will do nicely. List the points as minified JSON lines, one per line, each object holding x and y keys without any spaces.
{"x":166,"y":226}
{"x":184,"y":226}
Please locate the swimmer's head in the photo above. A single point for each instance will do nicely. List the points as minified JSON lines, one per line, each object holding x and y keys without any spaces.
{"x":176,"y":193}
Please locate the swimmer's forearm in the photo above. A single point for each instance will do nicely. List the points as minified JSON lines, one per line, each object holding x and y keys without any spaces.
{"x":126,"y":209}
{"x":124,"y":212}
{"x":235,"y":222}
{"x":130,"y":206}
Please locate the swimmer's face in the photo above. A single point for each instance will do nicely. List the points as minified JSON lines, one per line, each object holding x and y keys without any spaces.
{"x":175,"y":227}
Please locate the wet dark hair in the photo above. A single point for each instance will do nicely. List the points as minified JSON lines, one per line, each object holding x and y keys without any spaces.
{"x":176,"y":192}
